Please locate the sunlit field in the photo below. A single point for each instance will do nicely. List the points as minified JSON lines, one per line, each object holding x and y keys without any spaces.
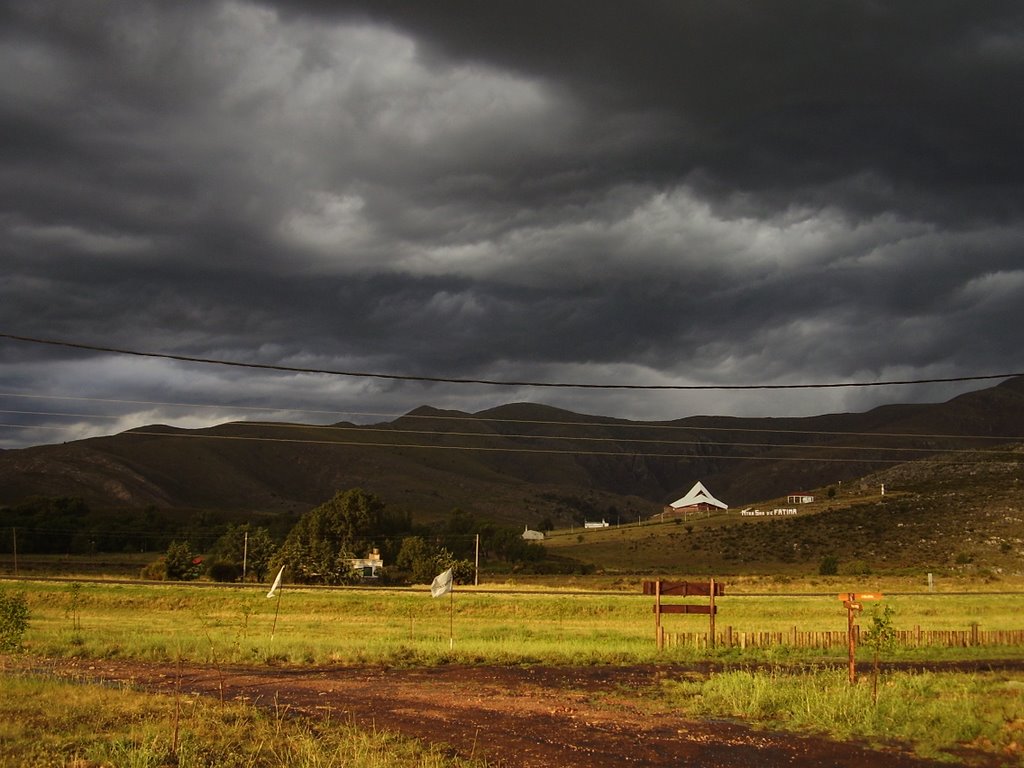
{"x":781,"y":687}
{"x":51,"y":723}
{"x":496,"y":625}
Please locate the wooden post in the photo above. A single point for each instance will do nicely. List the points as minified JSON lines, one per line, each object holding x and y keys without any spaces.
{"x":711,"y":634}
{"x":659,"y":635}
{"x":851,"y":638}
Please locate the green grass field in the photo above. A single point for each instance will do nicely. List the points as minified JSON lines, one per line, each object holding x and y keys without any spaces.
{"x":499,"y":624}
{"x":804,"y":690}
{"x":51,"y":723}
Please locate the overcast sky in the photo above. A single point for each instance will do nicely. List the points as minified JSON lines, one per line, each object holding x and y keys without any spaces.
{"x":652,"y":193}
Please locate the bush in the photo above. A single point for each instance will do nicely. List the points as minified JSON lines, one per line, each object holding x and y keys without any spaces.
{"x":179,"y":562}
{"x":13,"y":620}
{"x":223,"y":571}
{"x":856,"y":568}
{"x":154,"y":571}
{"x":829,"y":566}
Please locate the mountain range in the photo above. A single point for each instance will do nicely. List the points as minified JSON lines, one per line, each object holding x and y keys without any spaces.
{"x":514,"y":463}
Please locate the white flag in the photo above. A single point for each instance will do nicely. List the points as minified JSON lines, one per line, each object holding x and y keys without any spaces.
{"x":277,"y":583}
{"x":442,"y":584}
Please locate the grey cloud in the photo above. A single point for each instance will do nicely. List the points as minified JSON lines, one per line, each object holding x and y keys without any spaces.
{"x":791,"y":94}
{"x":699,"y":192}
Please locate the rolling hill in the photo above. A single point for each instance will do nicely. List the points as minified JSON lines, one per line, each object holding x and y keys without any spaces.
{"x":516,"y":463}
{"x":947,"y":514}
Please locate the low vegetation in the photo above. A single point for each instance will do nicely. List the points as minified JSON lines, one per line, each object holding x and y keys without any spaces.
{"x":13,"y":620}
{"x":781,"y":687}
{"x":496,"y":625}
{"x":941,"y":714}
{"x":46,"y":722}
{"x":944,"y":543}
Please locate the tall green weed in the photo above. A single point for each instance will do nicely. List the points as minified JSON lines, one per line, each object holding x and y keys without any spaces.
{"x":936,"y":712}
{"x":45,"y":722}
{"x":14,"y":616}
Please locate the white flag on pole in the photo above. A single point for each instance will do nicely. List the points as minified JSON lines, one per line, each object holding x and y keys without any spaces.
{"x":277,"y":583}
{"x":442,"y":584}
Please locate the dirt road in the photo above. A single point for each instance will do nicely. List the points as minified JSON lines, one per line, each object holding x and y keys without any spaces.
{"x":515,"y":717}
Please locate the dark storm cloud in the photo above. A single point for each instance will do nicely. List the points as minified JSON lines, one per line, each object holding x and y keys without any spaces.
{"x":658,"y":193}
{"x":772,"y":95}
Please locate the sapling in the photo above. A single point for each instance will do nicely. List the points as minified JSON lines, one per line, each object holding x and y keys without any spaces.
{"x":74,"y":605}
{"x":880,"y":635}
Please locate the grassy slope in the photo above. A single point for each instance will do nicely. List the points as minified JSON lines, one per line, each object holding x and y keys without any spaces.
{"x":941,"y":515}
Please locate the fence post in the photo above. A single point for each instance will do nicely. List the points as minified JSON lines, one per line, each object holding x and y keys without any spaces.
{"x":659,"y":634}
{"x":711,"y":632}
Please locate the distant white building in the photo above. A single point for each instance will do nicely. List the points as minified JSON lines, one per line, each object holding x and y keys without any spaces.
{"x":799,"y":498}
{"x":368,"y":567}
{"x":588,"y":524}
{"x":529,"y":535}
{"x":698,"y":499}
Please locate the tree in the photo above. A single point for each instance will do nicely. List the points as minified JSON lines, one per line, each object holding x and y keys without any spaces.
{"x":321,"y":546}
{"x":418,"y":558}
{"x":241,"y":543}
{"x":179,"y":562}
{"x":463,"y":571}
{"x":424,"y":561}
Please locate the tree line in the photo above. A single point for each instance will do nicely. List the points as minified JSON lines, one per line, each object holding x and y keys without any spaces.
{"x":316,"y":548}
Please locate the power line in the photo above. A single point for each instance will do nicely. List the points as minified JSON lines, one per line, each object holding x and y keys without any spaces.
{"x":492,"y":382}
{"x":165,"y":404}
{"x":58,"y":413}
{"x":547,"y":451}
{"x":616,"y":424}
{"x":609,"y":439}
{"x":567,"y":438}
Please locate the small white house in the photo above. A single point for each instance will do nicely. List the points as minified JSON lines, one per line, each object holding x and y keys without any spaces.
{"x":602,"y":524}
{"x":529,"y":535}
{"x":368,"y":567}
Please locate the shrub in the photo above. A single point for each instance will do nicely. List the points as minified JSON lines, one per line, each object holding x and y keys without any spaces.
{"x":222,"y":571}
{"x":179,"y":562}
{"x":857,"y":568}
{"x":829,"y":566}
{"x":154,"y":571}
{"x":13,"y":620}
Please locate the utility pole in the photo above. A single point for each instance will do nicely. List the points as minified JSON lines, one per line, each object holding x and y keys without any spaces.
{"x":14,"y":535}
{"x":245,"y":553}
{"x":476,"y":573}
